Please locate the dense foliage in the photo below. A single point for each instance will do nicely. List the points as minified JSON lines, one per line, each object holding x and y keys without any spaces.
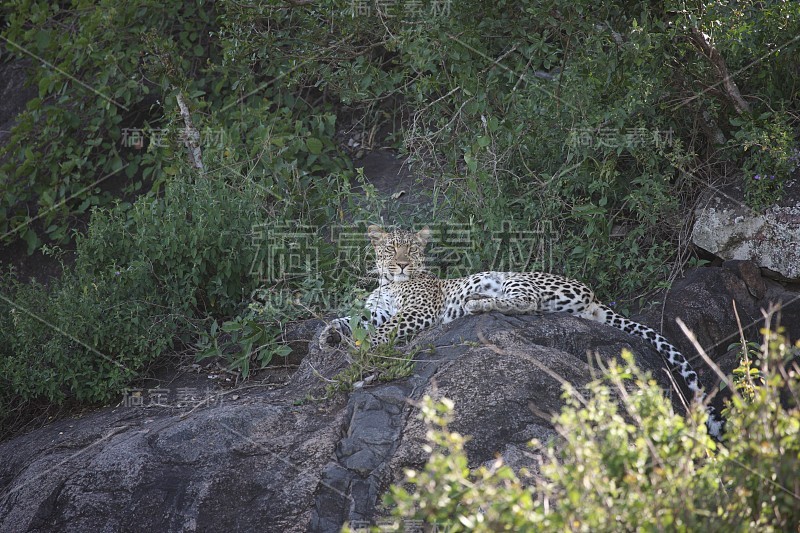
{"x":594,"y":124}
{"x":626,"y":462}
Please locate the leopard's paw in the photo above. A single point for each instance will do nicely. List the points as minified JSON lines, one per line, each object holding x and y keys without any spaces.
{"x":478,"y":303}
{"x":330,"y":337}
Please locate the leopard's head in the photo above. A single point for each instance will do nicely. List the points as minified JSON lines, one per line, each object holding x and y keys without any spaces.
{"x":399,"y":254}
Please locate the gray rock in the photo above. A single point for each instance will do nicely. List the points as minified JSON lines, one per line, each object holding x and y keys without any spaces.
{"x":705,"y":299}
{"x":273,"y":462}
{"x":297,"y":335}
{"x":228,"y":467}
{"x":727,"y":228}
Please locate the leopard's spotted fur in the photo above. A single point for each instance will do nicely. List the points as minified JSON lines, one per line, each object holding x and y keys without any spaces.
{"x":409,"y":300}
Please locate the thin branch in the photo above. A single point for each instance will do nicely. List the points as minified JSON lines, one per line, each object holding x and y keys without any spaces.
{"x":693,"y":339}
{"x":192,"y":137}
{"x":702,"y":42}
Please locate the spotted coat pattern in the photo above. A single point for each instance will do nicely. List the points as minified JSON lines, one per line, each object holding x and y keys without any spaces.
{"x":409,"y":300}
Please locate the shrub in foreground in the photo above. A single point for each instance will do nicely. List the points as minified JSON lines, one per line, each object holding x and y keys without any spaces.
{"x":625,"y":461}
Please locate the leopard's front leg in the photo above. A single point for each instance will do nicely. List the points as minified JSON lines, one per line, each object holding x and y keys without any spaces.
{"x":339,"y":329}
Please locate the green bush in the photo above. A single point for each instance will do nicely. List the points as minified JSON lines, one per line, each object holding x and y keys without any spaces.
{"x":625,"y":461}
{"x":147,"y":278}
{"x":771,"y":156}
{"x":81,"y":338}
{"x":106,"y":123}
{"x":759,"y":465}
{"x":67,"y":151}
{"x":196,"y":241}
{"x":602,"y":120}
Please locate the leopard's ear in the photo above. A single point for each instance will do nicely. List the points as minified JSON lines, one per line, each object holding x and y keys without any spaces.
{"x":424,"y":235}
{"x":375,"y":234}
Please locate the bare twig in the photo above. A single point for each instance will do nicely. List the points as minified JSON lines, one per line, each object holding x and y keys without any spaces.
{"x":693,"y":339}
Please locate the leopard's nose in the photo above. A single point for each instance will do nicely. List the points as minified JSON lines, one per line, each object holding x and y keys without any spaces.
{"x":402,"y":265}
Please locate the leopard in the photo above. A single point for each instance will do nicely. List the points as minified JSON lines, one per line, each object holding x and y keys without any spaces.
{"x":409,"y":299}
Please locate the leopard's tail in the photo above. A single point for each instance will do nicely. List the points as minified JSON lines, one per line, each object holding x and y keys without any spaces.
{"x":602,"y":313}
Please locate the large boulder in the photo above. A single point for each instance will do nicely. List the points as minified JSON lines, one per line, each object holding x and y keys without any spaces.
{"x":729,"y":229}
{"x":277,"y":460}
{"x":270,"y":461}
{"x":705,"y":298}
{"x":225,"y":467}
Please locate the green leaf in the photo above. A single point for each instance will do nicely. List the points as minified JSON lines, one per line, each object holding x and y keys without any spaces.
{"x":231,"y":326}
{"x":42,"y":39}
{"x":116,"y":163}
{"x":472,"y":164}
{"x":44,"y":86}
{"x":32,"y":239}
{"x":314,"y":145}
